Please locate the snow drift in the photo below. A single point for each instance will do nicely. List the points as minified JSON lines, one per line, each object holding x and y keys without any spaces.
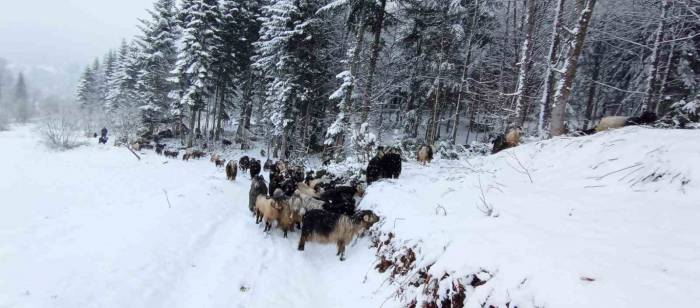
{"x":609,"y":220}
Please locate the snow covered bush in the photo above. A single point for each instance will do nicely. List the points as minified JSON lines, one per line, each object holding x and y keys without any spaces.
{"x":60,"y":130}
{"x":449,"y":151}
{"x":126,"y":124}
{"x":683,"y":114}
{"x":364,"y":142}
{"x":479,"y":148}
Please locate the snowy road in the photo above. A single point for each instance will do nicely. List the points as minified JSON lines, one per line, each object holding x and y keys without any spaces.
{"x":91,"y":227}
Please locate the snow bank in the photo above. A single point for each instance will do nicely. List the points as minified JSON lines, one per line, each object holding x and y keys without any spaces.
{"x":609,"y":220}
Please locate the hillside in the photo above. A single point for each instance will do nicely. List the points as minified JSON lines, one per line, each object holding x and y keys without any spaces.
{"x":608,"y":220}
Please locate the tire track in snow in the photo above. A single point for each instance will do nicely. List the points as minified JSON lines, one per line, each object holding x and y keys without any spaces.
{"x":233,"y":261}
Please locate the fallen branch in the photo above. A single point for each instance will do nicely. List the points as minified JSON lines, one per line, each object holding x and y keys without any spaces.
{"x":132,"y":152}
{"x":167,"y":199}
{"x":485,"y":207}
{"x":598,"y":178}
{"x":524,"y":170}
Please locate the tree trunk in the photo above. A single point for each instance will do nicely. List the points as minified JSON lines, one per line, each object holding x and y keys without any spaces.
{"x":546,"y":100}
{"x":354,"y":64}
{"x":211,"y":113}
{"x":193,"y":117}
{"x":524,"y":71}
{"x":411,"y":104}
{"x":665,"y":74}
{"x":354,"y":67}
{"x":199,"y":120}
{"x":220,"y":112}
{"x":650,"y":98}
{"x":431,"y":131}
{"x":593,"y":89}
{"x":570,"y":65}
{"x":376,"y":47}
{"x":464,"y":81}
{"x":472,"y":118}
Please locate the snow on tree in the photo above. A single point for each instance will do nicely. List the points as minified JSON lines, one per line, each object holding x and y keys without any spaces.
{"x":199,"y":20}
{"x":88,"y":91}
{"x":122,"y":82}
{"x":289,"y":37}
{"x":239,"y":30}
{"x":570,"y":65}
{"x":158,"y":44}
{"x":437,"y":70}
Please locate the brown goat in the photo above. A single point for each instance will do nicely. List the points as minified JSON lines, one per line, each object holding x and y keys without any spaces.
{"x":220,"y":162}
{"x":214,"y":158}
{"x":307,"y":190}
{"x":267,"y":209}
{"x":231,"y":170}
{"x":513,"y":137}
{"x":288,"y":218}
{"x":425,"y":154}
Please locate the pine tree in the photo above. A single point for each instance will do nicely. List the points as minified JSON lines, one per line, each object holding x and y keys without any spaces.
{"x":239,"y":29}
{"x":22,"y":105}
{"x":88,"y":89}
{"x":357,"y":22}
{"x":290,"y":37}
{"x":199,"y":20}
{"x":99,"y":70}
{"x":121,"y":92}
{"x":110,"y":64}
{"x":158,"y":59}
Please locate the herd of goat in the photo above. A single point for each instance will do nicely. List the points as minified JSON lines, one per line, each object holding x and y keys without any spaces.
{"x":323,"y":206}
{"x":320,"y":204}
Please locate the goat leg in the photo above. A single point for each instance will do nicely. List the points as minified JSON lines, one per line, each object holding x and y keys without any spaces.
{"x":302,"y":241}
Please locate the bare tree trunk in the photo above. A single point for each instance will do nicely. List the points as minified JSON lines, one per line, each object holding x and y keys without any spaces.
{"x":524,"y":71}
{"x":220,"y":112}
{"x":193,"y":117}
{"x":354,"y":64}
{"x":411,"y":104}
{"x":374,"y":56}
{"x":199,"y":120}
{"x":570,"y":65}
{"x":432,"y":128}
{"x":464,"y":81}
{"x":546,"y":100}
{"x":211,"y":112}
{"x":592,"y":90}
{"x":650,"y":98}
{"x":665,"y":74}
{"x":472,"y":118}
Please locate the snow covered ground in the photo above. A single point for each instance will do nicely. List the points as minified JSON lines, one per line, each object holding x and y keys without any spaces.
{"x":92,"y":227}
{"x":609,"y":220}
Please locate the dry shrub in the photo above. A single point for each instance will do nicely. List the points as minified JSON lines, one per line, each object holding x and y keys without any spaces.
{"x":61,"y":130}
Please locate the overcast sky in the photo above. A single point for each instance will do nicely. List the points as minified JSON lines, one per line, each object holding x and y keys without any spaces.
{"x":63,"y":33}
